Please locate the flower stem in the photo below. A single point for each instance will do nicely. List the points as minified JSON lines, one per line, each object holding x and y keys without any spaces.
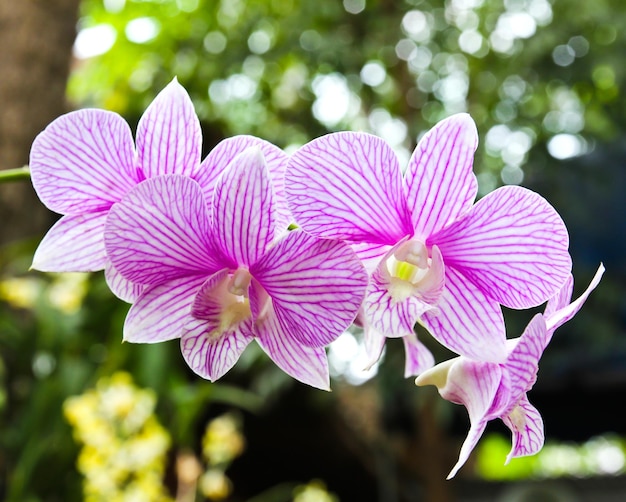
{"x":17,"y":174}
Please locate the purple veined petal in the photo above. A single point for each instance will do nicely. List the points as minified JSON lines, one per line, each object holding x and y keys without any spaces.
{"x":418,"y":357}
{"x":226,"y":150}
{"x":169,"y":138}
{"x":526,"y":425}
{"x":161,"y":230}
{"x":74,"y":244}
{"x":161,"y":312}
{"x":523,"y":361}
{"x":316,"y":286}
{"x":83,"y":162}
{"x":512,"y":245}
{"x":348,"y":185}
{"x":124,"y":289}
{"x":371,"y":254}
{"x":562,"y":298}
{"x":474,"y":385}
{"x":244,"y":215}
{"x":212,"y":356}
{"x":467,"y":322}
{"x":473,"y":436}
{"x":440,"y":183}
{"x":373,"y":343}
{"x":564,"y":314}
{"x":308,"y":365}
{"x":393,"y":314}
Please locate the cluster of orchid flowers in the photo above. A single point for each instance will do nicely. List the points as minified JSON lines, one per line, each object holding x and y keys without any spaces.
{"x":290,"y":250}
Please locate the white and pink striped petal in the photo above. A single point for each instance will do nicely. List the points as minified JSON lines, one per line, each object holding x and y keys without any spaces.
{"x":512,"y":245}
{"x":526,"y":425}
{"x":418,"y":358}
{"x":120,"y":286}
{"x":440,"y":183}
{"x":73,"y":244}
{"x":211,"y":355}
{"x":467,"y":322}
{"x":83,"y":162}
{"x":161,"y":231}
{"x":244,"y":213}
{"x":316,"y":286}
{"x":226,"y":150}
{"x":348,"y":185}
{"x":169,"y":138}
{"x":162,"y":312}
{"x":308,"y":365}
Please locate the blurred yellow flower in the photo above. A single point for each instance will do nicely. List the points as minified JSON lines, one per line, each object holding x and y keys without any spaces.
{"x":124,"y":446}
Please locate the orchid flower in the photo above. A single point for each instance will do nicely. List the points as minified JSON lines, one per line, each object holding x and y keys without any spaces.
{"x":85,"y":161}
{"x":434,"y":256}
{"x":491,"y":390}
{"x":221,"y":274}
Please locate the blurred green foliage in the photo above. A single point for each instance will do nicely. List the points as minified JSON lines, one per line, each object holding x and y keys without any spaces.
{"x":542,"y":78}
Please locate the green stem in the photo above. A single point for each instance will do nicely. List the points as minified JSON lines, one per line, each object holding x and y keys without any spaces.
{"x":18,"y":174}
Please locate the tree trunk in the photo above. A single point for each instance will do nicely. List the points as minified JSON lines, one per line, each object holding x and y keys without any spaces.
{"x":36,"y":37}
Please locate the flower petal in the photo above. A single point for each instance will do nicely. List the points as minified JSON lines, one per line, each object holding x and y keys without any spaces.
{"x":440,"y":183}
{"x":348,"y":185}
{"x":373,"y":343}
{"x":316,"y":286}
{"x":387,"y":312}
{"x":121,"y":287}
{"x":472,"y":384}
{"x":83,"y":162}
{"x":308,"y":365}
{"x":225,"y":151}
{"x":473,"y":436}
{"x":161,"y":230}
{"x":523,"y":361}
{"x":162,"y":311}
{"x":418,"y":357}
{"x":169,"y":139}
{"x":512,"y":245}
{"x":74,"y":244}
{"x":560,"y":316}
{"x":526,"y":425}
{"x":561,"y":299}
{"x":210,"y":356}
{"x":243,"y":208}
{"x":467,"y":322}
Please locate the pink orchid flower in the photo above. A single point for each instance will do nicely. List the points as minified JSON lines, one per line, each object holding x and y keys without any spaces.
{"x":218,"y":275}
{"x":434,"y":256}
{"x":491,"y":390}
{"x":86,"y":161}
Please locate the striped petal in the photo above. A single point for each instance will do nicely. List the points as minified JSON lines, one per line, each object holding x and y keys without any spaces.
{"x":467,"y":322}
{"x":526,"y":425}
{"x":121,"y":287}
{"x":390,"y":312}
{"x":160,"y":231}
{"x":74,"y":244}
{"x":348,"y":185}
{"x":316,"y":286}
{"x":308,"y":365}
{"x":440,"y":183}
{"x":169,"y":139}
{"x":474,"y":385}
{"x":225,"y":151}
{"x":83,"y":162}
{"x":512,"y":245}
{"x":212,"y":356}
{"x":417,"y":356}
{"x":161,"y":312}
{"x":243,"y":208}
{"x":562,"y":315}
{"x":523,"y":361}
